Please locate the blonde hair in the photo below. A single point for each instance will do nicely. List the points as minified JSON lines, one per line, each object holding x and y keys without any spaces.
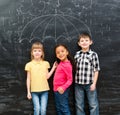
{"x":37,"y":45}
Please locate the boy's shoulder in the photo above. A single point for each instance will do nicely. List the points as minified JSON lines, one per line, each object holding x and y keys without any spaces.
{"x":93,"y":52}
{"x":78,"y":52}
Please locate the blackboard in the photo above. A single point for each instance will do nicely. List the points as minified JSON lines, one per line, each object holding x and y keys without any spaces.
{"x":57,"y":21}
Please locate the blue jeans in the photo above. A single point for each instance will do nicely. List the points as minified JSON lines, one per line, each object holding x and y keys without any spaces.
{"x":62,"y":103}
{"x":80,"y":91}
{"x":40,"y":100}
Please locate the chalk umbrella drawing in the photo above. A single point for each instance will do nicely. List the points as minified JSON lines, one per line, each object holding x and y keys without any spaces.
{"x":53,"y":23}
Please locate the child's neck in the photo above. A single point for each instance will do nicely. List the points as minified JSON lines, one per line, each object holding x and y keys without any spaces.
{"x":85,"y":50}
{"x":64,"y":60}
{"x":37,"y":60}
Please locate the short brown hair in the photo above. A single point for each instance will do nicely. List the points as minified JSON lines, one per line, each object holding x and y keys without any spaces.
{"x":84,"y":35}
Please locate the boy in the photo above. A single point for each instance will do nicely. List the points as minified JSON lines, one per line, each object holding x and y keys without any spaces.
{"x":87,"y":69}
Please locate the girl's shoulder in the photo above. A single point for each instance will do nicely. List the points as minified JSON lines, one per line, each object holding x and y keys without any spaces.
{"x":28,"y":63}
{"x":66,"y":64}
{"x":46,"y":62}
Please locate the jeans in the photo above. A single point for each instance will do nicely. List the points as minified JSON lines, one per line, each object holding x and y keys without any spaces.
{"x":40,"y":100}
{"x":62,"y":103}
{"x":80,"y":91}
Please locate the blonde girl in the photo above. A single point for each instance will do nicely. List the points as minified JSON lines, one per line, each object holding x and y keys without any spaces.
{"x":37,"y":75}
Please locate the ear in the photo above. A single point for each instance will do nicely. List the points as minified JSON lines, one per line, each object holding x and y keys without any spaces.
{"x":67,"y":52}
{"x":91,"y":42}
{"x":78,"y":43}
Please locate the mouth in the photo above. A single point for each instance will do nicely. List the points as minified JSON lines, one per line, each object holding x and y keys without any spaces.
{"x":61,"y":56}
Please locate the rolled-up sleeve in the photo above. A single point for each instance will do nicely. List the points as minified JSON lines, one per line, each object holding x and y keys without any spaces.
{"x":96,"y":64}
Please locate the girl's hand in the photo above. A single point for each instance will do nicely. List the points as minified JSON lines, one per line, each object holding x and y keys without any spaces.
{"x":92,"y":87}
{"x":60,"y":90}
{"x":55,"y":65}
{"x":29,"y":96}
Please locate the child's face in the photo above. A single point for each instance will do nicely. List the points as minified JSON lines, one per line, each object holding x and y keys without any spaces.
{"x":84,"y":43}
{"x":61,"y":53}
{"x":37,"y":53}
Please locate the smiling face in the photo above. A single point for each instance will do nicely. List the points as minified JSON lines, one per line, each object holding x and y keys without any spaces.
{"x":37,"y":51}
{"x":84,"y":43}
{"x":61,"y":53}
{"x":37,"y":54}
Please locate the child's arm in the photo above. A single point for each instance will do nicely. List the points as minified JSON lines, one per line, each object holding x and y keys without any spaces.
{"x":93,"y":86}
{"x":28,"y":85}
{"x":52,"y":70}
{"x":96,"y":71}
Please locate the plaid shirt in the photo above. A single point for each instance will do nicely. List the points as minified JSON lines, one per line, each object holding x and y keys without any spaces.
{"x":86,"y":64}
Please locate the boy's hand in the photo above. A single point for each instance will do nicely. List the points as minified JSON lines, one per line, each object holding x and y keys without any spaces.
{"x":29,"y":96}
{"x":92,"y":87}
{"x":60,"y":90}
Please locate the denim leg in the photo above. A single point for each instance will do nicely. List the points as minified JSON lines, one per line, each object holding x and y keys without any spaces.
{"x":62,"y":103}
{"x":79,"y":99}
{"x":40,"y":100}
{"x":57,"y":103}
{"x":44,"y":100}
{"x":36,"y":104}
{"x":92,"y":101}
{"x":65,"y":102}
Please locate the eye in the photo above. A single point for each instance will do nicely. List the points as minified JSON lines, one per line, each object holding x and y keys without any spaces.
{"x":34,"y":50}
{"x":39,"y":51}
{"x":81,"y":40}
{"x":57,"y":52}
